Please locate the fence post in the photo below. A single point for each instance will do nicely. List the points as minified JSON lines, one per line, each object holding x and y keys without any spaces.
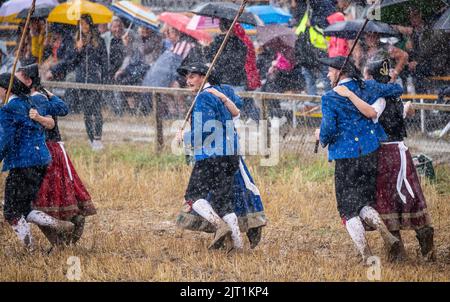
{"x":294,"y":116}
{"x":422,"y":118}
{"x":265,"y":114}
{"x":159,"y":135}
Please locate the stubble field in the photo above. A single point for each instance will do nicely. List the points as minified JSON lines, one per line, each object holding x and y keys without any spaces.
{"x":134,"y":237}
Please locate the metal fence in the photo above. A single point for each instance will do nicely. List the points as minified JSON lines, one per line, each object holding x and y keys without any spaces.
{"x":154,"y":114}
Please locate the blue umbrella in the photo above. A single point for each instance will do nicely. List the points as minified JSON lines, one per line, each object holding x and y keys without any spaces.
{"x":270,"y":14}
{"x":136,"y":14}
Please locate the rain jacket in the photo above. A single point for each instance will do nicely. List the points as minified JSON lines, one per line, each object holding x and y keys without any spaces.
{"x":337,"y":46}
{"x":230,"y":66}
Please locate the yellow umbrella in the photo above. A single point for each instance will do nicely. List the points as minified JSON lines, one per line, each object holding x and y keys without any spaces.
{"x":10,"y":19}
{"x":70,"y":12}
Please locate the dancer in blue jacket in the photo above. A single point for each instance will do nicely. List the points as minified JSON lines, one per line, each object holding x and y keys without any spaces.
{"x":215,"y":145}
{"x":246,"y":196}
{"x":25,"y":155}
{"x":353,"y":141}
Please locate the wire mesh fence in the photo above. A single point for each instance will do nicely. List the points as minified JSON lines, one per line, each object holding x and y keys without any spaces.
{"x":268,"y":121}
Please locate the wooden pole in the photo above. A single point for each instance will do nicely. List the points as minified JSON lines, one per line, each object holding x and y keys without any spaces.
{"x":16,"y":59}
{"x":316,"y":146}
{"x":216,"y":57}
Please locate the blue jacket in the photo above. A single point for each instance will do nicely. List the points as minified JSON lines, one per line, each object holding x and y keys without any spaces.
{"x":344,"y":129}
{"x":22,"y":140}
{"x":212,"y":127}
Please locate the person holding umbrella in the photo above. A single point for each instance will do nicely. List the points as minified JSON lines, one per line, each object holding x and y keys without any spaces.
{"x":370,"y":45}
{"x":233,"y":64}
{"x":353,"y":142}
{"x":89,"y":60}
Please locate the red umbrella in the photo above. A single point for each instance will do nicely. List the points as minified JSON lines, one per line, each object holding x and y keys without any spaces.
{"x":180,"y":22}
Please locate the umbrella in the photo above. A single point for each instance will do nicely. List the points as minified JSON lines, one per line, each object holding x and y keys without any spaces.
{"x":180,"y":22}
{"x":349,"y":29}
{"x":198,"y":22}
{"x":136,"y":14}
{"x":70,"y":12}
{"x":269,"y":33}
{"x":226,"y":10}
{"x":39,"y":12}
{"x":10,"y":9}
{"x":444,"y":21}
{"x":270,"y":14}
{"x":211,"y":25}
{"x":397,"y":11}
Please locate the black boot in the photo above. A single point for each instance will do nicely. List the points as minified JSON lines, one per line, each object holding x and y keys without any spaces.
{"x":399,"y":253}
{"x":55,"y":238}
{"x":254,"y":236}
{"x":425,"y":237}
{"x":219,"y":245}
{"x":78,"y":221}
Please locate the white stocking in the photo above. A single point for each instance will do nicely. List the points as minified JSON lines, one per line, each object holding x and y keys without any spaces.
{"x":23,"y":231}
{"x":233,"y":223}
{"x":41,"y":219}
{"x":356,"y":230}
{"x":204,"y":209}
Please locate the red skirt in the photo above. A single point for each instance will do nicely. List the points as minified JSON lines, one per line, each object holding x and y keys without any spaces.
{"x":396,"y":214}
{"x":62,"y":194}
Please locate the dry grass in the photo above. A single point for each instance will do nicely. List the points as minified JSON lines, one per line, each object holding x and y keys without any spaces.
{"x":134,"y":237}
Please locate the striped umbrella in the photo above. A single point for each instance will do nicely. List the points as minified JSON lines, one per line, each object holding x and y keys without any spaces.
{"x":136,"y":14}
{"x":180,"y":22}
{"x":211,"y":25}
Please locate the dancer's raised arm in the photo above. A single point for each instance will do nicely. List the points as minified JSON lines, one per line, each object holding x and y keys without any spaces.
{"x":370,"y":111}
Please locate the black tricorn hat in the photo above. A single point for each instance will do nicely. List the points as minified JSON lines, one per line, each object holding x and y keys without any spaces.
{"x":18,"y":88}
{"x":32,"y":71}
{"x":199,"y":68}
{"x":349,"y":69}
{"x":338,"y":62}
{"x":196,"y":67}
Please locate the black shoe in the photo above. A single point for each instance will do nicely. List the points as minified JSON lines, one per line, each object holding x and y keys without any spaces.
{"x":219,"y":237}
{"x":425,"y":236}
{"x":254,"y":236}
{"x":78,"y":221}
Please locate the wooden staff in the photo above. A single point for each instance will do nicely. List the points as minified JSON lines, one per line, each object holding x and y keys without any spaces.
{"x":216,"y":57}
{"x":316,"y":146}
{"x":16,"y":59}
